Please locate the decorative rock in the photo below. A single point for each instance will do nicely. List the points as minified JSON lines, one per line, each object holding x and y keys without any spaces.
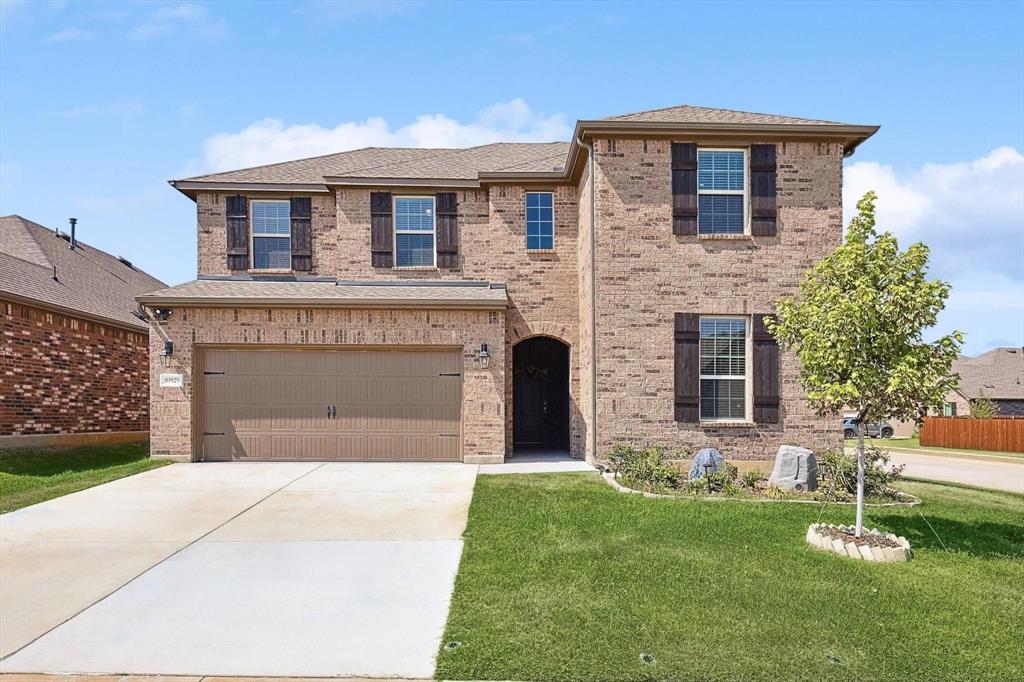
{"x":795,"y":469}
{"x":707,"y":457}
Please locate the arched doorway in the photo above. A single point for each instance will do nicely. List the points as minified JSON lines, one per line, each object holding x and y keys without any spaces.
{"x":540,"y":394}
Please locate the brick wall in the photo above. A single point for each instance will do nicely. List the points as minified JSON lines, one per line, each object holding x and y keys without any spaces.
{"x":483,"y":402}
{"x":646,"y":274}
{"x":64,"y":375}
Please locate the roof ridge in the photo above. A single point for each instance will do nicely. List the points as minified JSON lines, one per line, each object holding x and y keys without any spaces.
{"x":732,"y":111}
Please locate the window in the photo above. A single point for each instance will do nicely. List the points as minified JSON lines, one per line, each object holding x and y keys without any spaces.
{"x":271,"y":235}
{"x":540,"y":220}
{"x":414,"y":232}
{"x":721,"y":191}
{"x":948,"y":409}
{"x":723,"y":368}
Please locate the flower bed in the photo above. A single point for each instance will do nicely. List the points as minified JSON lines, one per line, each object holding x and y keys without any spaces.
{"x":872,"y":545}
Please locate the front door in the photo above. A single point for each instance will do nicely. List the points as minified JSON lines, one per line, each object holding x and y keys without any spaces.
{"x":540,"y":394}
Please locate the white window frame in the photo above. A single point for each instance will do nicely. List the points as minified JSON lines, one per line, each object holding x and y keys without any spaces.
{"x":748,"y":371}
{"x":526,"y":221}
{"x":745,"y":192}
{"x":396,"y":231}
{"x":253,"y":236}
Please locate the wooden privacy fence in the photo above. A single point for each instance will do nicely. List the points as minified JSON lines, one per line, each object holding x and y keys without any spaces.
{"x":1005,"y":434}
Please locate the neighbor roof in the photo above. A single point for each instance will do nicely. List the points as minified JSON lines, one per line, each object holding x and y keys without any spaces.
{"x":550,"y":161}
{"x":228,"y":291}
{"x":88,"y":281}
{"x":997,"y":374}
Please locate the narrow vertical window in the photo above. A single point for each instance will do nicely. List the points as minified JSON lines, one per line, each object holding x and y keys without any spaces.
{"x":540,"y":220}
{"x":723,"y":369}
{"x":721,"y":191}
{"x":414,"y":232}
{"x":271,"y":235}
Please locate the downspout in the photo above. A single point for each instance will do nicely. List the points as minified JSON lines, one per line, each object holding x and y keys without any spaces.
{"x":593,"y":296}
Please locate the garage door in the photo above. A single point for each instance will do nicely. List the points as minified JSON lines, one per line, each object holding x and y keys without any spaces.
{"x":331,"y":405}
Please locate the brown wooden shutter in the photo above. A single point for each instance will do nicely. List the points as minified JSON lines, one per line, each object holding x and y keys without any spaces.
{"x":684,"y":188}
{"x":381,"y":231}
{"x":763,"y":211}
{"x":302,"y":233}
{"x":447,"y":230}
{"x":766,"y":373}
{"x":687,"y":367}
{"x":236,"y":213}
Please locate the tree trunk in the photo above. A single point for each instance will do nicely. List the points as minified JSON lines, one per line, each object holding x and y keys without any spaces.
{"x":860,"y":477}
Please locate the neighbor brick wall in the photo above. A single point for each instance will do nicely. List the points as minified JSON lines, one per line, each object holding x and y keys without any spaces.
{"x":483,"y":405}
{"x":62,"y":374}
{"x":646,"y":274}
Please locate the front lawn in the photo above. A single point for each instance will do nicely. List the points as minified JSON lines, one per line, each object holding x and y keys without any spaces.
{"x":915,"y":444}
{"x":33,"y":475}
{"x":563,"y":578}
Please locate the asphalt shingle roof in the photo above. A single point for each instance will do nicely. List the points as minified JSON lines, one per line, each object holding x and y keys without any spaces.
{"x":686,"y":113}
{"x":88,"y":280}
{"x":998,"y":374}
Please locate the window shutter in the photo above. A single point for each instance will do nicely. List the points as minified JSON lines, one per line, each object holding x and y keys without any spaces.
{"x":684,"y":188}
{"x":687,"y":367}
{"x":302,"y":233}
{"x":381,"y":231}
{"x":447,"y":230}
{"x":236,"y":212}
{"x":763,"y":211}
{"x":766,"y":373}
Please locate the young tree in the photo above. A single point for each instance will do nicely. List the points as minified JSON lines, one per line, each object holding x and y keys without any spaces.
{"x":857,"y":327}
{"x":983,"y":407}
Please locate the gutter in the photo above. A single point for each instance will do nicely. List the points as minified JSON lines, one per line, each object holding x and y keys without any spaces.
{"x":593,"y":295}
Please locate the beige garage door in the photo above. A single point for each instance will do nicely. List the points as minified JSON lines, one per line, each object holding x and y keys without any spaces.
{"x":331,"y":405}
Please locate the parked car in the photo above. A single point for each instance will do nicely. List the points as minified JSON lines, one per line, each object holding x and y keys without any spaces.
{"x":872,"y":430}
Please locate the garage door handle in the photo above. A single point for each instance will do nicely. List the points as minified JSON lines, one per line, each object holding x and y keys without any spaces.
{"x":334,"y":411}
{"x":328,"y":411}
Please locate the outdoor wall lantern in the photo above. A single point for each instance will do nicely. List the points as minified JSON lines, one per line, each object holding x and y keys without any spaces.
{"x":162,"y":313}
{"x":485,"y":357}
{"x":166,"y":353}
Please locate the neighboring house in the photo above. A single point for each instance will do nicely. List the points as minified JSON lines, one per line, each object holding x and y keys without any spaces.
{"x":75,"y":347}
{"x":465,"y":304}
{"x":997,"y":375}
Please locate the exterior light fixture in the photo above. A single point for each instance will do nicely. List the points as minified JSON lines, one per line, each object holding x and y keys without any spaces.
{"x":485,"y":357}
{"x":165,"y":355}
{"x":162,"y":313}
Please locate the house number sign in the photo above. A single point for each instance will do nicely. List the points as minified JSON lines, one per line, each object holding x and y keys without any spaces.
{"x":172,"y":380}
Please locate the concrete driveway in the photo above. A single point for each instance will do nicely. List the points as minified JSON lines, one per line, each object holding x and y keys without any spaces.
{"x":262,"y":569}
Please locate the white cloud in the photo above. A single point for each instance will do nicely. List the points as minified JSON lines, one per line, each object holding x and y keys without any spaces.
{"x":168,"y":19}
{"x":68,"y":34}
{"x":270,"y":140}
{"x":971,"y":215}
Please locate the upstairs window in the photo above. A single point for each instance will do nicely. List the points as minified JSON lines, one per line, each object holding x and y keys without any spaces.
{"x":723,"y":369}
{"x":721,"y":191}
{"x":540,"y":220}
{"x":414,"y":232}
{"x":271,"y":235}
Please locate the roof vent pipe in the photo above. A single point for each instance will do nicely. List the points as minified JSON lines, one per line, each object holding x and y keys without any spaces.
{"x":73,"y":221}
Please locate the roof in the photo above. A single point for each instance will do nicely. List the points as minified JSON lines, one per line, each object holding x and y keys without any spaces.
{"x":997,"y":374}
{"x":88,"y":281}
{"x":522,"y":161}
{"x":231,"y":291}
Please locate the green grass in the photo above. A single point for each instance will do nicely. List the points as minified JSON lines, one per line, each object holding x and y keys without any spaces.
{"x":562,"y":578}
{"x":28,"y":476}
{"x":915,"y":444}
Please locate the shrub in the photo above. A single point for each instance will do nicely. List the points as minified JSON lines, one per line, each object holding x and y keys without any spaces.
{"x":983,"y":408}
{"x":751,"y":478}
{"x":774,"y":492}
{"x":839,"y":471}
{"x":644,"y":469}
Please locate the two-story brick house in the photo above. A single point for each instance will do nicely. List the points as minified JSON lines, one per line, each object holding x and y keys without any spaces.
{"x":460,"y":304}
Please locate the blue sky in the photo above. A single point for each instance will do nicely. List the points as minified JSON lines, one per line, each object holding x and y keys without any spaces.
{"x":102,"y":103}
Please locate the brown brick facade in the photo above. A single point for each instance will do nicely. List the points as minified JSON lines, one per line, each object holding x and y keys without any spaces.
{"x":64,"y":375}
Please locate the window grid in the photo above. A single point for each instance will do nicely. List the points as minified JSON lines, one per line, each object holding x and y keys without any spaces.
{"x":271,"y":235}
{"x":414,"y":232}
{"x":721,"y":191}
{"x":723,"y":369}
{"x":540,"y":220}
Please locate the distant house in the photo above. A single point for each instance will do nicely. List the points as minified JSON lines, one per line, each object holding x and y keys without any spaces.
{"x":74,"y":350}
{"x":997,"y":375}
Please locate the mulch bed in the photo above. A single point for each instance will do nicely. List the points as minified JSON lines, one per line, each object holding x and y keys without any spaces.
{"x":868,"y":538}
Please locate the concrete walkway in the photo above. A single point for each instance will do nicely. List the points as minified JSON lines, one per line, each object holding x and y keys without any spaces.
{"x":277,"y":569}
{"x":1007,"y":476}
